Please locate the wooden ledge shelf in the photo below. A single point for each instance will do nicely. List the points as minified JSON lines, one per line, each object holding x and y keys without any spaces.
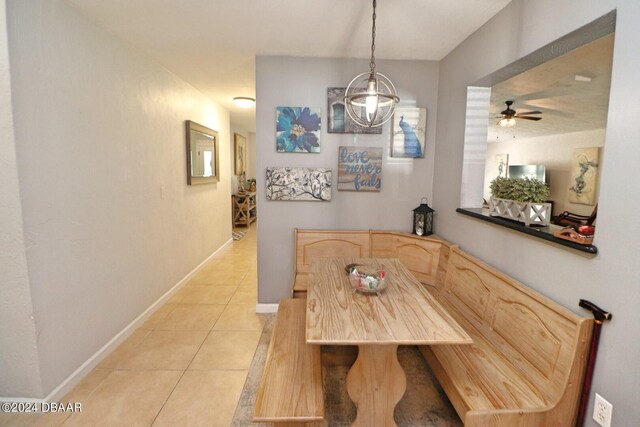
{"x":545,"y":233}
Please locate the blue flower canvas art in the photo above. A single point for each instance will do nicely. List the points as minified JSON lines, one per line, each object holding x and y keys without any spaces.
{"x":408,"y":133}
{"x":298,"y":130}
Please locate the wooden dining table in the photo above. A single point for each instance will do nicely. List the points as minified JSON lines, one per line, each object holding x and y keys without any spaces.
{"x":404,"y":313}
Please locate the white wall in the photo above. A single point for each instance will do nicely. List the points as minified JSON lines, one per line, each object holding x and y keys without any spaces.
{"x":19,"y":369}
{"x":286,"y":81}
{"x":475,"y":146}
{"x":609,"y":279}
{"x":555,"y":153}
{"x":109,"y":220}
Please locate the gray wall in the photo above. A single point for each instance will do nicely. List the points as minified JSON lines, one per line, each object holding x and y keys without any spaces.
{"x":110,"y":224}
{"x":612,"y":278}
{"x":285,"y":81}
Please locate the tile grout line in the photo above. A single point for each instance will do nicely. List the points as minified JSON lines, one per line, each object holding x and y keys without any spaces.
{"x":181,"y":376}
{"x":185,"y":371}
{"x":197,"y":351}
{"x":233,"y":255}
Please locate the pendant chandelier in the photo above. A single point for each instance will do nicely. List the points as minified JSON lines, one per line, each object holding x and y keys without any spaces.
{"x":371,"y":98}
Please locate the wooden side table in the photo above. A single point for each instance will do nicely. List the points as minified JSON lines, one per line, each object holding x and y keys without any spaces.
{"x":244,"y":208}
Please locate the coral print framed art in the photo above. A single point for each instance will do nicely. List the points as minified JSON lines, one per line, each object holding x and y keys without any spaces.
{"x":408,"y":132}
{"x":298,"y":130}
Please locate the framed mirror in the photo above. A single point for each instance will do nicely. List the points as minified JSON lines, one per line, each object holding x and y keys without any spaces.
{"x":202,"y":154}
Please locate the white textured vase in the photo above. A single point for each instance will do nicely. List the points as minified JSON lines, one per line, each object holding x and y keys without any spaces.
{"x":528,"y":213}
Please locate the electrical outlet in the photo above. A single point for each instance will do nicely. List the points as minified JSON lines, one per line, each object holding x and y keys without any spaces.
{"x":602,"y":411}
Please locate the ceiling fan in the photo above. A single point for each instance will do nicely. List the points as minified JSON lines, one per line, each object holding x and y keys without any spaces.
{"x":508,"y":116}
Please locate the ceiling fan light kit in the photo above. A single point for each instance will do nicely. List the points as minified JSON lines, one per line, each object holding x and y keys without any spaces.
{"x":507,"y":123}
{"x":371,"y":98}
{"x":509,"y":115}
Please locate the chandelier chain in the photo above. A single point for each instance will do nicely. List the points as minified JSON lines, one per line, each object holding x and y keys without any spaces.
{"x":370,"y":98}
{"x":372,"y":63}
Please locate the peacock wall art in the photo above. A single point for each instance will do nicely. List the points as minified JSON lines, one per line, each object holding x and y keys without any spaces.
{"x":408,"y":133}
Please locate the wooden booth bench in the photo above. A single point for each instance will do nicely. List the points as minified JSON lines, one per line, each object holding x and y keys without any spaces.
{"x":527,"y":363}
{"x":525,"y":368}
{"x":290,"y":389}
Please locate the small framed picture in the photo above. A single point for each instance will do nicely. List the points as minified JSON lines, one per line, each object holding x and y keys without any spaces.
{"x":240,"y":150}
{"x":502,"y":165}
{"x":339,"y":121}
{"x":584,"y":176}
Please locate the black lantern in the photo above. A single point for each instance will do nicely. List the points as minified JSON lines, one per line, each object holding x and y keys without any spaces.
{"x":423,"y":219}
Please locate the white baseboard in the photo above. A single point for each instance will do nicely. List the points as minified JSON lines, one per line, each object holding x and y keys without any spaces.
{"x":72,"y":380}
{"x":266,"y":308}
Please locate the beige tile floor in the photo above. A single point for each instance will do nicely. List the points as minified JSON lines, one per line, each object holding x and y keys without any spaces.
{"x":186,"y":365}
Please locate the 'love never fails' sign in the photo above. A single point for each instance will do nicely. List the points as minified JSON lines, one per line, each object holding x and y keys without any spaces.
{"x":359,"y":168}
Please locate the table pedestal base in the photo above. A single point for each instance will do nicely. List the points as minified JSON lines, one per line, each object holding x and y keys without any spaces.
{"x":376,"y":382}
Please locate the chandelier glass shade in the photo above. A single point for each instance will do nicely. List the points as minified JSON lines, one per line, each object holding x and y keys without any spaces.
{"x":371,"y":98}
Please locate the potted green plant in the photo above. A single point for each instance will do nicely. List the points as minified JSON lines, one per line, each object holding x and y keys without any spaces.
{"x":520,"y":199}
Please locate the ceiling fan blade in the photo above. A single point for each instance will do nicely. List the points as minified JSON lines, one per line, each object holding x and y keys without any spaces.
{"x":528,"y":118}
{"x":528,"y":112}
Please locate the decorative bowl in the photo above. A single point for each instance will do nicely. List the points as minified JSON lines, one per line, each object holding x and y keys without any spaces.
{"x":366,"y":282}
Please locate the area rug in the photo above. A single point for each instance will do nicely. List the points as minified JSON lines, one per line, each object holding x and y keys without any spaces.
{"x":424,"y":403}
{"x":237,"y":235}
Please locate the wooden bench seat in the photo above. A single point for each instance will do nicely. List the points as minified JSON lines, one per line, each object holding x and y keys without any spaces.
{"x":300,"y":285}
{"x":526,"y":365}
{"x":489,"y":382}
{"x":290,"y":390}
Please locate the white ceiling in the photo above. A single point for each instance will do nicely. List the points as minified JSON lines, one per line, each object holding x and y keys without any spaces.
{"x":567,"y":104}
{"x":212,"y":44}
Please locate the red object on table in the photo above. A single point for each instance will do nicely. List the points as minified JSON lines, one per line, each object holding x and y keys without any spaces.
{"x":587,"y":230}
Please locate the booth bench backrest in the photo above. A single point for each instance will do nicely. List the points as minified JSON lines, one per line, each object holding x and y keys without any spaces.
{"x":425,"y":257}
{"x":312,"y":244}
{"x":421,"y":255}
{"x":541,"y":339}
